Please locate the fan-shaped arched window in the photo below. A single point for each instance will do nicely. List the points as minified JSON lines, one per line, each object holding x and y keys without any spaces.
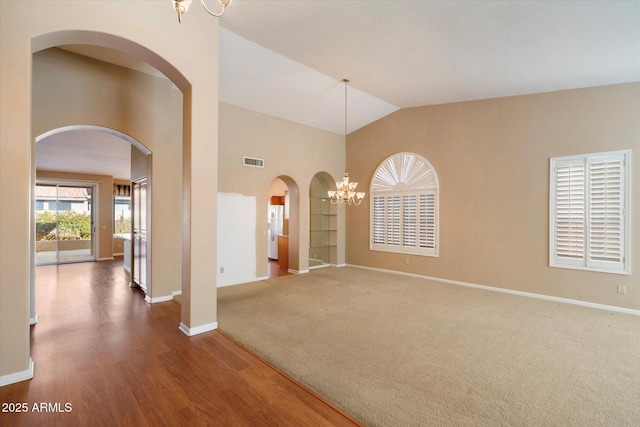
{"x":404,"y":206}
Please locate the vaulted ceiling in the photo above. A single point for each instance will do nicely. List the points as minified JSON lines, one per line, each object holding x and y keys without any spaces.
{"x":288,"y":58}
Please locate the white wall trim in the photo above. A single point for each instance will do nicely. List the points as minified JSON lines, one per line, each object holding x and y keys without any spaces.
{"x":33,"y":320}
{"x":176,"y":293}
{"x":155,"y":300}
{"x":16,"y":377}
{"x":118,"y":254}
{"x":198,"y":329}
{"x":341,"y":265}
{"x":108,"y":258}
{"x":297,"y":271}
{"x":509,"y":291}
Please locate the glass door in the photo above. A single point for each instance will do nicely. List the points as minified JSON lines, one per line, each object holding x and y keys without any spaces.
{"x":64,"y":223}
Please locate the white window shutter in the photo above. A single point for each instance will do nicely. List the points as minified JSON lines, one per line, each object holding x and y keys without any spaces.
{"x":393,"y":221}
{"x":427,"y":221}
{"x":379,"y":224}
{"x":569,"y":215}
{"x":409,"y":221}
{"x":606,"y":211}
{"x":589,"y":220}
{"x":404,"y":206}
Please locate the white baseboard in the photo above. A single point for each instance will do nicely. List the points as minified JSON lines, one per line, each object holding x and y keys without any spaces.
{"x":176,"y":293}
{"x":33,"y":320}
{"x":119,"y":254}
{"x":109,"y":258}
{"x":297,"y":271}
{"x":508,"y":291}
{"x":198,"y":329}
{"x":341,"y":265}
{"x":16,"y":377}
{"x":155,"y":300}
{"x":127,"y":269}
{"x":262,"y":278}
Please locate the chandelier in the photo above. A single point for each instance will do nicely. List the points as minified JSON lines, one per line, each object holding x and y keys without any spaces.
{"x":346,"y":191}
{"x":181,"y":6}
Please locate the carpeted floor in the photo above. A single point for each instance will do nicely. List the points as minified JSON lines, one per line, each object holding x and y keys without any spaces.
{"x":402,"y":351}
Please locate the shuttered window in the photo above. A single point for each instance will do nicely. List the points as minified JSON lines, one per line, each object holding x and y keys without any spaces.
{"x":588,"y":212}
{"x":404,"y":211}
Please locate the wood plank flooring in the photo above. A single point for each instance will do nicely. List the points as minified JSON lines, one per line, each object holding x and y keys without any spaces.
{"x":104,"y":357}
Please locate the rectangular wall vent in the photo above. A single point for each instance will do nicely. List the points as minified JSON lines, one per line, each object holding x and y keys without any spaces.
{"x":254,"y":162}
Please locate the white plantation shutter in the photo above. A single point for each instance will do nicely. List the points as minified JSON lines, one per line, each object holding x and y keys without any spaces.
{"x":378,"y":222}
{"x":404,"y":206}
{"x":409,"y":221}
{"x":427,"y":221}
{"x":589,"y":226}
{"x":570,"y":220}
{"x":393,"y":221}
{"x":606,"y":210}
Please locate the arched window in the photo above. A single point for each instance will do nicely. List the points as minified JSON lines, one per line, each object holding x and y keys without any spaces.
{"x":404,"y":206}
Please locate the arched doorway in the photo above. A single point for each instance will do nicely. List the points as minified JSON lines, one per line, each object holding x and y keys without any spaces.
{"x":98,"y":161}
{"x":283,"y":233}
{"x":101,"y":23}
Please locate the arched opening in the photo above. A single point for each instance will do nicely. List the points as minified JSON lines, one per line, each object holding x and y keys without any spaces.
{"x":123,"y":110}
{"x":44,"y":27}
{"x":101,"y":164}
{"x":283,"y":233}
{"x":323,"y":223}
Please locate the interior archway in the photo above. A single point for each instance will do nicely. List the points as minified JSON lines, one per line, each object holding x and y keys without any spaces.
{"x":86,"y":150}
{"x":284,"y":239}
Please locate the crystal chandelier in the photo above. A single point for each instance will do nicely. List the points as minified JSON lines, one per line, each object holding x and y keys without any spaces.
{"x":346,"y":191}
{"x":181,"y":6}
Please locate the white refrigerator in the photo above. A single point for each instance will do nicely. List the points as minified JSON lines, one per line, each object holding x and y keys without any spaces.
{"x":276,"y":214}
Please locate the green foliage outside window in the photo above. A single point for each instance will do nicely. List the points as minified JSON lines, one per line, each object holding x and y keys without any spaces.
{"x":72,"y":225}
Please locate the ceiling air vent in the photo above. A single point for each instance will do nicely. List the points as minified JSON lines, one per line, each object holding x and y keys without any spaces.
{"x":254,"y":162}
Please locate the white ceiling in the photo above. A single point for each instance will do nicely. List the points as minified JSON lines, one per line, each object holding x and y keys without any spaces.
{"x":411,"y":53}
{"x":288,"y":58}
{"x":85,"y":151}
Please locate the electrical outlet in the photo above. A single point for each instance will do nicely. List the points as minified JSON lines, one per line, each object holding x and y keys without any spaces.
{"x":221,"y":270}
{"x":622,"y":289}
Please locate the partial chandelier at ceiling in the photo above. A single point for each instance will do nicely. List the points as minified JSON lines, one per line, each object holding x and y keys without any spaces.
{"x":346,"y":191}
{"x":182,"y":6}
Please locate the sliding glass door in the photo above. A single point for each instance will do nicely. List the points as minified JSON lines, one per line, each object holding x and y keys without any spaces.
{"x":64,"y":223}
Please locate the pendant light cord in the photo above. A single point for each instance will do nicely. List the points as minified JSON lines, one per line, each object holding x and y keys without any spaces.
{"x":345,"y":105}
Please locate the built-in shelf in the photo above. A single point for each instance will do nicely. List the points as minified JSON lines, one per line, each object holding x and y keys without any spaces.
{"x":323,"y":225}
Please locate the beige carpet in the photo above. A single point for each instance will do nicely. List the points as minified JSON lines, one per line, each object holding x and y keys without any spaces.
{"x":402,"y":351}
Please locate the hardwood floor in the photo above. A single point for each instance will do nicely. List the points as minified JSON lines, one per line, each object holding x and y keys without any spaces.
{"x":274,"y":269}
{"x":103,"y":356}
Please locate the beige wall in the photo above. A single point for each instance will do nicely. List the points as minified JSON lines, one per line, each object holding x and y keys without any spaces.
{"x":492,"y":161}
{"x":148,"y":31}
{"x":290,"y":150}
{"x":104,"y":217}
